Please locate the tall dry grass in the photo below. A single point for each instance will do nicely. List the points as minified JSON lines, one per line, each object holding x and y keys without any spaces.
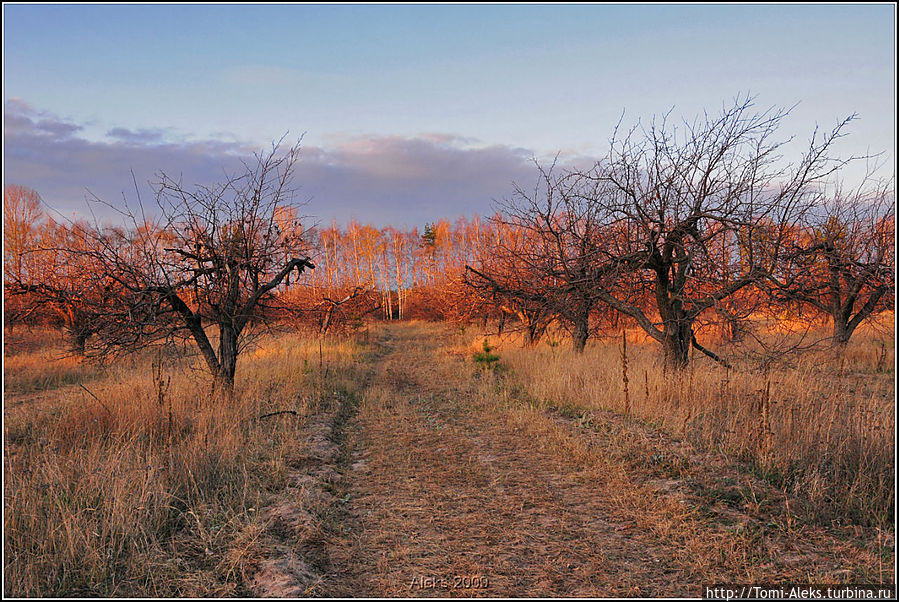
{"x":820,"y":427}
{"x":143,"y":481}
{"x":39,"y":359}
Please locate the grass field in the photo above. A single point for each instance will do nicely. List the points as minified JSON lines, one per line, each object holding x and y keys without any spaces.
{"x":397,"y":457}
{"x":136,"y":478}
{"x":821,"y":427}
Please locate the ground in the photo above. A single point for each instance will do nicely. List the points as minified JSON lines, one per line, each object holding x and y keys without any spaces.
{"x":435,"y":477}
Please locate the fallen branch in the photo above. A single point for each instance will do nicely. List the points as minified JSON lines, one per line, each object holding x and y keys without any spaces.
{"x":276,"y":414}
{"x":96,"y":398}
{"x":711,"y":354}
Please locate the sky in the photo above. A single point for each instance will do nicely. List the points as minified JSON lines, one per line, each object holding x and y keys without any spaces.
{"x":410,"y":113}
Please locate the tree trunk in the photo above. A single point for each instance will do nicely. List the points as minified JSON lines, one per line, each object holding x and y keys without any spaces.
{"x":528,"y":336}
{"x":79,"y":342}
{"x":841,"y":331}
{"x":532,"y":332}
{"x":581,"y":333}
{"x":844,"y":323}
{"x":75,"y":323}
{"x":678,"y":336}
{"x":227,"y":356}
{"x":678,"y":330}
{"x":733,"y":329}
{"x":326,"y":321}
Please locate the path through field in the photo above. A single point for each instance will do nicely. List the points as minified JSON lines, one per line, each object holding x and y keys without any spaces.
{"x":437,"y":481}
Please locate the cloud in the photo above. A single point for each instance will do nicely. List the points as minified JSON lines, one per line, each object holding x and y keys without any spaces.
{"x":141,"y":136}
{"x":378,"y":179}
{"x":44,"y":152}
{"x":409,"y":181}
{"x":20,"y":118}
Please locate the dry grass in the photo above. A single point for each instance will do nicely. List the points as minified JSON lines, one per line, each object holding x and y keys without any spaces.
{"x":417,"y":463}
{"x":38,"y":360}
{"x":456,"y":471}
{"x":822,"y":429}
{"x":146,"y":483}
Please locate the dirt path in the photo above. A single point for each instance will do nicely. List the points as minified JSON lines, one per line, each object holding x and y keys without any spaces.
{"x":442,"y":483}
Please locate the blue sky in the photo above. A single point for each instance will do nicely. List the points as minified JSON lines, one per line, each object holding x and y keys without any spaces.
{"x":461,"y":96}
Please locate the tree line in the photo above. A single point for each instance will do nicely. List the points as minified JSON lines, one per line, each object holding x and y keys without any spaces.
{"x":680,"y":222}
{"x":680,"y":225}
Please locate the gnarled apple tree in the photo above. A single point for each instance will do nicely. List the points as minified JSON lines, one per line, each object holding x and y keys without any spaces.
{"x":212,"y":255}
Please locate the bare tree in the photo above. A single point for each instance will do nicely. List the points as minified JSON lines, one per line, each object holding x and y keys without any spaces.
{"x":44,"y":275}
{"x":327,"y":310}
{"x":214,"y":255}
{"x":553,"y":265}
{"x":507,"y":278}
{"x":64,"y":282}
{"x":705,"y":209}
{"x":843,"y":260}
{"x":22,"y":215}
